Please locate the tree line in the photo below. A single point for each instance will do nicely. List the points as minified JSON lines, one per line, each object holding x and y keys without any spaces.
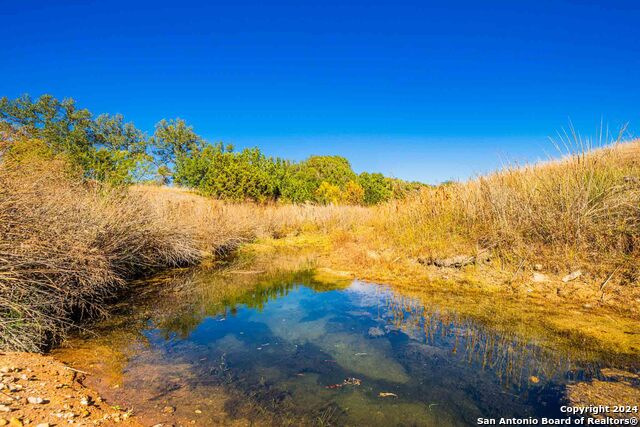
{"x":108,"y":149}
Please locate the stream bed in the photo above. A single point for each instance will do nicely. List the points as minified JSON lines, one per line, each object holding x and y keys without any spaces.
{"x":284,"y":348}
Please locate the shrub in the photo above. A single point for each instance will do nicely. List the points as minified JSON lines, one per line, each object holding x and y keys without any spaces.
{"x":67,"y":246}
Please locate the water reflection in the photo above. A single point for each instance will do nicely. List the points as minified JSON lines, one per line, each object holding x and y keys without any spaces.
{"x":287,"y":347}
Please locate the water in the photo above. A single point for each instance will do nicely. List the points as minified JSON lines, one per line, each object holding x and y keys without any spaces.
{"x":287,"y":349}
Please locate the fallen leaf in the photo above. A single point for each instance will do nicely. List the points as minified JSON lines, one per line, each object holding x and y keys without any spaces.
{"x":387,"y":394}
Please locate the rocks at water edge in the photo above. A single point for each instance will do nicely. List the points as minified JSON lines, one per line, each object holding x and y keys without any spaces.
{"x":457,"y":261}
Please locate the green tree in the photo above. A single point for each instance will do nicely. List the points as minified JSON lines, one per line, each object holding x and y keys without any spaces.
{"x":60,"y":124}
{"x":302,"y":181}
{"x":221,"y":172}
{"x":105,"y":148}
{"x":173,"y":141}
{"x":120,"y":151}
{"x":109,"y":149}
{"x":377,"y":188}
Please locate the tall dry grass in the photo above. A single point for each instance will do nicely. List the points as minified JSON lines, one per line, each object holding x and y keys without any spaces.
{"x":581,"y":210}
{"x":220,"y":226}
{"x":67,"y":248}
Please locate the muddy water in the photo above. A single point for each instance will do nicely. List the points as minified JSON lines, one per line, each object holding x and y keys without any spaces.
{"x":284,"y":348}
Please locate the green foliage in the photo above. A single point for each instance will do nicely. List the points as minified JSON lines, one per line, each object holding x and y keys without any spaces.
{"x":119,"y":151}
{"x":108,"y":149}
{"x":304,"y":179}
{"x":174,"y":139}
{"x":377,"y":188}
{"x":220,"y":172}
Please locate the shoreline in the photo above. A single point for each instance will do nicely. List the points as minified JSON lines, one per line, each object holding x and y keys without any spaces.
{"x":573,"y":312}
{"x":528,"y":313}
{"x":40,"y":390}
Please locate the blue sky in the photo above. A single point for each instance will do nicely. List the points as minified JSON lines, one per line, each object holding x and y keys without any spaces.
{"x":416,"y":89}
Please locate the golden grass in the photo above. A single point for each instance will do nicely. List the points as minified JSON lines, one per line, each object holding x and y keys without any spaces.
{"x":221,"y":227}
{"x":580,"y":211}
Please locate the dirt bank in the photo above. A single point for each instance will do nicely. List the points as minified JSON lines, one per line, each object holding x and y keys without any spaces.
{"x":40,"y":391}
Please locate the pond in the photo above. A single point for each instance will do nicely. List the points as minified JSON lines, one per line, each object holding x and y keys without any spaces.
{"x":286,"y":348}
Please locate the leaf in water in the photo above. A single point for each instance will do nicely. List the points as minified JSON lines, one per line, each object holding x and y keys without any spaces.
{"x":387,"y":394}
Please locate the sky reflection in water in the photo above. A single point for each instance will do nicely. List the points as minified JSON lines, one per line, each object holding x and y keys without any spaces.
{"x":325,"y":353}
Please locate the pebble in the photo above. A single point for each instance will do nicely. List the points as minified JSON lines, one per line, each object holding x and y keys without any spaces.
{"x":43,"y":425}
{"x":35,"y":400}
{"x":4,"y":408}
{"x":168,"y":410}
{"x":572,"y":276}
{"x":539,"y":277}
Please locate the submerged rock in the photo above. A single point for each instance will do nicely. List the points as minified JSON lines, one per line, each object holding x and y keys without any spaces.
{"x":375,"y":332}
{"x":619,"y":374}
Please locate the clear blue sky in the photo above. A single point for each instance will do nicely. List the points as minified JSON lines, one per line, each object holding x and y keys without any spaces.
{"x":417,"y":89}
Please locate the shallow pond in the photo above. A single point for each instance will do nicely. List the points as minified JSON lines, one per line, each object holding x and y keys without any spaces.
{"x":286,"y":348}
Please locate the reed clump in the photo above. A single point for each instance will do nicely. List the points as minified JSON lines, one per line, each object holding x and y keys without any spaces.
{"x":68,"y":246}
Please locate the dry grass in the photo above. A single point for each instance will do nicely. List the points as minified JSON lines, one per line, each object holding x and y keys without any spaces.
{"x":220,"y":226}
{"x":582,"y":210}
{"x":66,"y":248}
